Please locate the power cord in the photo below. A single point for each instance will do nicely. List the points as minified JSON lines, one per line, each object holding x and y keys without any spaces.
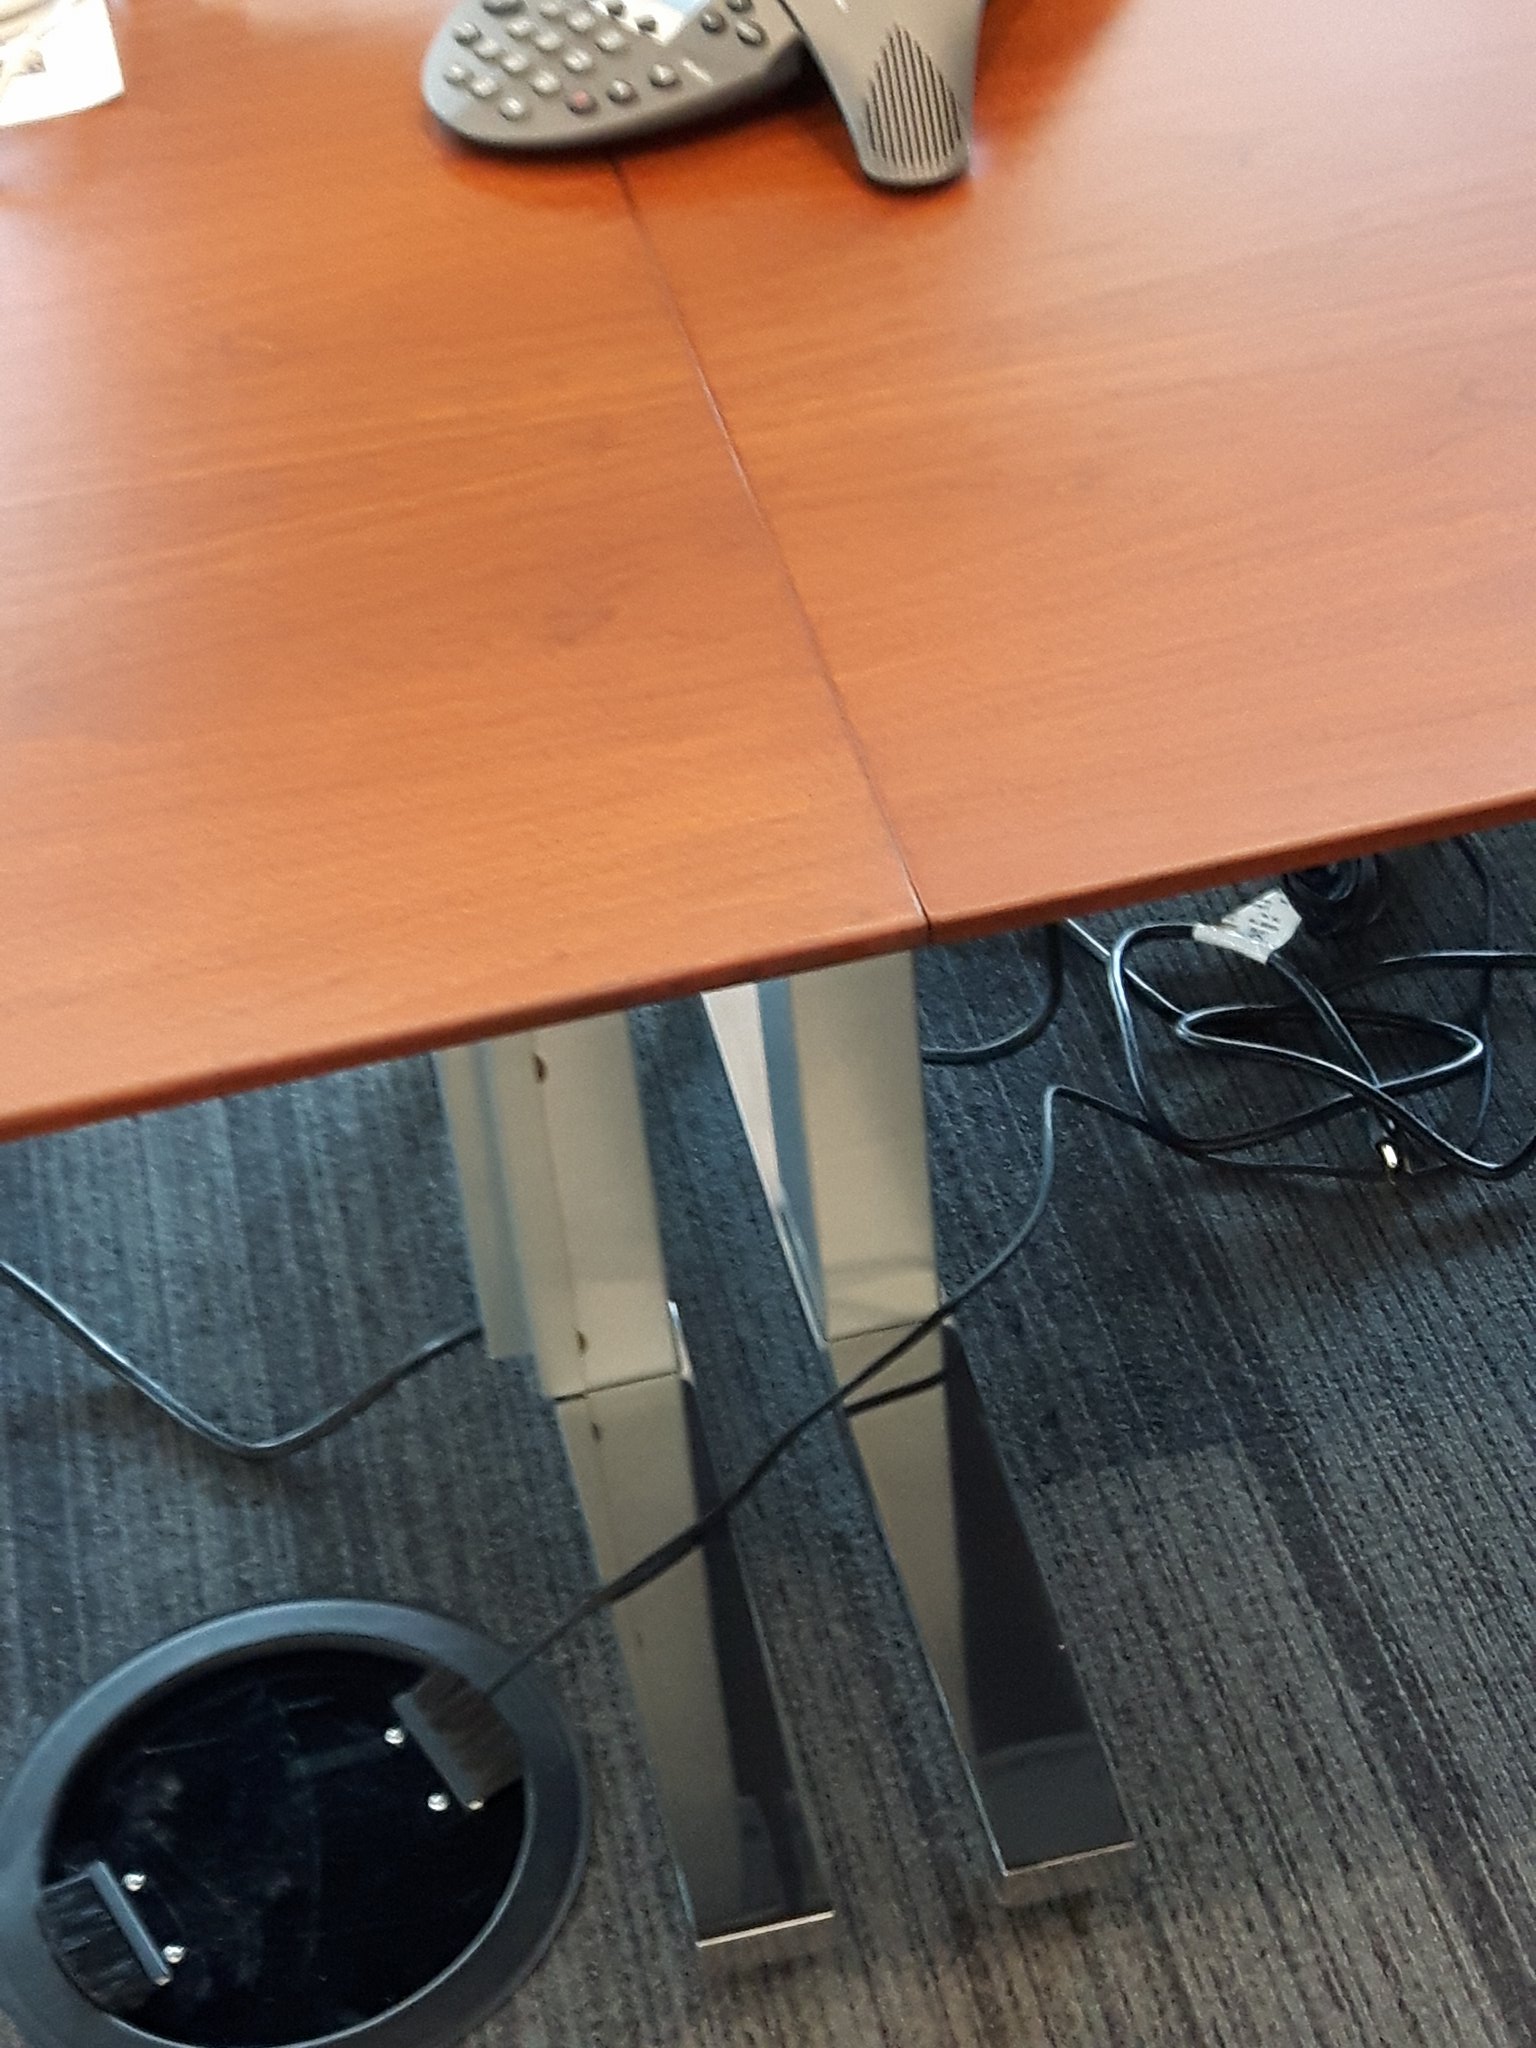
{"x":1272,"y":1033}
{"x":1021,"y":1035}
{"x":263,"y":1451}
{"x":685,"y":1541}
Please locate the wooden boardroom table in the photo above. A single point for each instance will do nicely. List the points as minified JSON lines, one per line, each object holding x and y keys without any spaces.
{"x":445,"y":602}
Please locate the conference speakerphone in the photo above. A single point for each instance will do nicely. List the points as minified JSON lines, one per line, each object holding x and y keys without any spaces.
{"x":564,"y":74}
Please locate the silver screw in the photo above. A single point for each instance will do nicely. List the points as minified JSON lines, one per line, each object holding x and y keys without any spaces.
{"x":439,"y":1801}
{"x":134,"y":1881}
{"x":395,"y":1737}
{"x":174,"y":1954}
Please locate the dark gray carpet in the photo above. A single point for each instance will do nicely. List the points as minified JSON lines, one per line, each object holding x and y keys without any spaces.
{"x":1274,"y":1442}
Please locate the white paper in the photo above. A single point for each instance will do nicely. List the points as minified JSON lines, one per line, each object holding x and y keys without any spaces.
{"x":77,"y":54}
{"x":1255,"y":929}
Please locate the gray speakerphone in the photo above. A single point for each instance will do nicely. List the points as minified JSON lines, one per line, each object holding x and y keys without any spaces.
{"x":563,"y":74}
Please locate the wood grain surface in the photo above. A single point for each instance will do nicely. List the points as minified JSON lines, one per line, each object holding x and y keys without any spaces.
{"x":1163,"y":497}
{"x":389,"y":652}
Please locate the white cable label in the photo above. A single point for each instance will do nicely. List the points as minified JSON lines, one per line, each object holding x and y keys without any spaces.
{"x":1255,"y":929}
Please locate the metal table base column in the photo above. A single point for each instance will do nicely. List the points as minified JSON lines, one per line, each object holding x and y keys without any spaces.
{"x":827,"y":1076}
{"x":561,"y":1220}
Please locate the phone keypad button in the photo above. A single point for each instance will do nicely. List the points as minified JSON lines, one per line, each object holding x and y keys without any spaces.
{"x":466,"y":32}
{"x":662,"y":75}
{"x":516,"y":63}
{"x":750,"y":32}
{"x":712,"y":21}
{"x":545,"y":83}
{"x":581,"y":102}
{"x":548,"y":40}
{"x":610,"y":41}
{"x":456,"y":74}
{"x":622,"y":93}
{"x":514,"y":109}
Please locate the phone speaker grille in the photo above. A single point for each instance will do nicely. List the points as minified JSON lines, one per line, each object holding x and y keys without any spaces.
{"x":911,"y":117}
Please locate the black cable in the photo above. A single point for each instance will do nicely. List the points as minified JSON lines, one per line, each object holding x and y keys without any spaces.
{"x":1360,"y":1085}
{"x":1230,"y":1029}
{"x":1096,"y":949}
{"x":1478,"y":1025}
{"x":1020,"y":1035}
{"x":1369,"y":1093}
{"x":1334,"y":1026}
{"x":891,"y":1395}
{"x":685,"y":1541}
{"x":261,"y":1452}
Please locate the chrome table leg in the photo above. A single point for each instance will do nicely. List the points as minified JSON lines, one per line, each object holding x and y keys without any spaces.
{"x":561,"y":1220}
{"x":826,"y":1073}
